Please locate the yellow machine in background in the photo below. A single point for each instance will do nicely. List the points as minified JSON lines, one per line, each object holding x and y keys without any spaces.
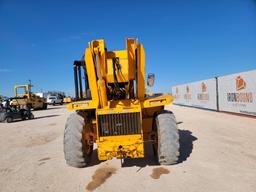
{"x":25,"y":97}
{"x":117,"y":114}
{"x":67,"y":100}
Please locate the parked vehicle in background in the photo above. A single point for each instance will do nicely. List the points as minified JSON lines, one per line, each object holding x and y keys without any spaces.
{"x":41,"y":94}
{"x":10,"y":113}
{"x":3,"y":98}
{"x":53,"y":100}
{"x":4,"y":101}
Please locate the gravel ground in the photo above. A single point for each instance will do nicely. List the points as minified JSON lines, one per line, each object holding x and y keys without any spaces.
{"x":218,"y":153}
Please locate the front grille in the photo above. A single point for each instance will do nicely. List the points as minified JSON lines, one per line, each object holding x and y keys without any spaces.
{"x":119,"y":124}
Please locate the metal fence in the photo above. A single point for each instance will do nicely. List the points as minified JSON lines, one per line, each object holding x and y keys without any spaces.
{"x":231,"y":93}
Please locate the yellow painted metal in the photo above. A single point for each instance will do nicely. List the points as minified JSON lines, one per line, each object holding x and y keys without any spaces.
{"x":26,"y":88}
{"x":123,"y":61}
{"x":129,"y":67}
{"x":82,"y":105}
{"x":117,"y":110}
{"x":123,"y":104}
{"x":130,"y":46}
{"x":141,"y":72}
{"x":157,"y":101}
{"x":120,"y":147}
{"x":102,"y":92}
{"x":91,"y":75}
{"x":98,"y":48}
{"x":67,"y":100}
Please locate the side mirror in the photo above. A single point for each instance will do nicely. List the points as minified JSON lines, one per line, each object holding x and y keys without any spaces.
{"x":151,"y":79}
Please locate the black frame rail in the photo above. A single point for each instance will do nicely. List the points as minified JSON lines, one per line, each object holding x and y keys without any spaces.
{"x":78,"y":79}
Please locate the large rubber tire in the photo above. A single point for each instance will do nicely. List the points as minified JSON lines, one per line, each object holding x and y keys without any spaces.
{"x":167,"y":138}
{"x":74,"y":149}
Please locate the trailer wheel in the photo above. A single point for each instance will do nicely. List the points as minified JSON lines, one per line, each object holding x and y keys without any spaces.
{"x":77,"y":152}
{"x":167,"y":138}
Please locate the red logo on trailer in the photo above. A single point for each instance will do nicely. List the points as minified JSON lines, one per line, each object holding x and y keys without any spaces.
{"x":240,"y":83}
{"x":203,"y":96}
{"x":240,"y":97}
{"x":187,"y":96}
{"x":204,"y":87}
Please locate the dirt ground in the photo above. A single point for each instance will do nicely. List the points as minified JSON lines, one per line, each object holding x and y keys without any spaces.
{"x":218,"y":153}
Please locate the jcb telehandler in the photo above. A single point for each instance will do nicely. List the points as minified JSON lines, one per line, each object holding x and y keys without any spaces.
{"x":117,"y":115}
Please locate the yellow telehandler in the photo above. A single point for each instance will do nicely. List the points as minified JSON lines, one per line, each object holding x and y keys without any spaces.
{"x":116,"y":114}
